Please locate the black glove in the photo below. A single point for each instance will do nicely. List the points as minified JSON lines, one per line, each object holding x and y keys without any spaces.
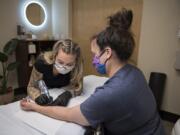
{"x":62,"y":100}
{"x":43,"y":100}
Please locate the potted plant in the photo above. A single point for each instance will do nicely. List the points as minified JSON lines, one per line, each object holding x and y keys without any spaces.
{"x":6,"y":92}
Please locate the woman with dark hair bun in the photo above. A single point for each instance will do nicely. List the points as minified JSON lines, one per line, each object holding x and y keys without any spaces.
{"x":118,"y":36}
{"x":124,"y":105}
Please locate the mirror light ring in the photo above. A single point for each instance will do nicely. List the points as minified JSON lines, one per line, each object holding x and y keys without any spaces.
{"x":26,"y":19}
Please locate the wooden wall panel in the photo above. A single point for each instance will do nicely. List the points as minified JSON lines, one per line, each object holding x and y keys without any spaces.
{"x":90,"y":17}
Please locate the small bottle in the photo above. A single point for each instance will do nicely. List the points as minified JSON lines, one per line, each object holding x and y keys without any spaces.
{"x":44,"y":89}
{"x":32,"y":60}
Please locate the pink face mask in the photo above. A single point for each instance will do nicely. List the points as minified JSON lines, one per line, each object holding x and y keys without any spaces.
{"x":101,"y":68}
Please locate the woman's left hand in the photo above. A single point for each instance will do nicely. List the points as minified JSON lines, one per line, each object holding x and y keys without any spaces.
{"x":27,"y":105}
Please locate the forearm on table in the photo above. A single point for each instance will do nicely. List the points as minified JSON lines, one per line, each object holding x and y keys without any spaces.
{"x":63,"y":113}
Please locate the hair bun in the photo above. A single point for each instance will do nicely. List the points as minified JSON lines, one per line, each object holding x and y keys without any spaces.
{"x":121,"y":20}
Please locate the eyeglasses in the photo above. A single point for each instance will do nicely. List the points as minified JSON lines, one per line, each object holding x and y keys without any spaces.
{"x":65,"y":64}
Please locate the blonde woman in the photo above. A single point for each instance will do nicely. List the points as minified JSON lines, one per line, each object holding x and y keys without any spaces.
{"x":59,"y":68}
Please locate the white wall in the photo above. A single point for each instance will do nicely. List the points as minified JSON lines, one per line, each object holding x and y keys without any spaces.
{"x":158,"y":46}
{"x":8,"y":21}
{"x":61,"y":16}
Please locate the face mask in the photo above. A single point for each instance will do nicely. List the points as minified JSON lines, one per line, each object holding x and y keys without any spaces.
{"x":101,"y":68}
{"x":63,"y":69}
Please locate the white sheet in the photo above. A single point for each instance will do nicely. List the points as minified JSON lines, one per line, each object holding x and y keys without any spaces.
{"x":176,"y":128}
{"x":38,"y":121}
{"x":15,"y":121}
{"x":10,"y":125}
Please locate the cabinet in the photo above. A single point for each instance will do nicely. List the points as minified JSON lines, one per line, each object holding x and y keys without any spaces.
{"x":26,"y":53}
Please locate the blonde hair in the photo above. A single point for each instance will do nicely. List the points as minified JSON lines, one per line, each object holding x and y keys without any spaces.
{"x":69,"y":47}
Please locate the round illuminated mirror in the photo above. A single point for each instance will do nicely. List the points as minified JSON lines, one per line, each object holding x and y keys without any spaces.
{"x":35,"y":14}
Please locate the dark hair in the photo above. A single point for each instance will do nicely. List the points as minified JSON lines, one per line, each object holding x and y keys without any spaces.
{"x":117,"y":35}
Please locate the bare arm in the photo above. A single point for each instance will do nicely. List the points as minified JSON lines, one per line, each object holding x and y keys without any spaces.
{"x":63,"y":113}
{"x":72,"y":114}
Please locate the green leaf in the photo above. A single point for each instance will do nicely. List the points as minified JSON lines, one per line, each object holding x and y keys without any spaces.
{"x":12,"y":66}
{"x":3,"y":57}
{"x":10,"y":46}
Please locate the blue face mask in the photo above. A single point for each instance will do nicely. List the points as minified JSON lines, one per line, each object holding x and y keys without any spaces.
{"x":101,"y":68}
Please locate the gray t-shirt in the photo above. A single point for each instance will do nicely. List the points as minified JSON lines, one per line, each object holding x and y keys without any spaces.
{"x":124,"y":105}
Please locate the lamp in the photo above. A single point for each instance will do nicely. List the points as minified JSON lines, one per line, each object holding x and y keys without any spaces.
{"x":27,"y":22}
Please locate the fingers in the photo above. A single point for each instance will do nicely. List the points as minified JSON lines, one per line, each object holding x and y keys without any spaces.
{"x":24,"y":101}
{"x":23,"y":104}
{"x":26,"y":104}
